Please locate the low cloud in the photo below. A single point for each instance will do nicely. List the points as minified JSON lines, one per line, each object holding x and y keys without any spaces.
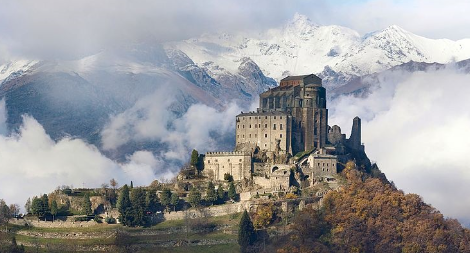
{"x":201,"y":127}
{"x":32,"y":163}
{"x":415,"y":126}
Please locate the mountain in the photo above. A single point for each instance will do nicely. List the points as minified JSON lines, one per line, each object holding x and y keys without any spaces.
{"x":78,"y":97}
{"x":335,"y":53}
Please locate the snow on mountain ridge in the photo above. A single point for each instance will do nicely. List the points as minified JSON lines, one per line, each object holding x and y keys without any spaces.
{"x":300,"y":47}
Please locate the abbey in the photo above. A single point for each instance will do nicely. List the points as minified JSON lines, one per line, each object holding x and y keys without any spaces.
{"x":288,"y":134}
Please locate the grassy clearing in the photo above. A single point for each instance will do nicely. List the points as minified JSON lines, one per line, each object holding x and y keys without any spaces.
{"x":138,"y":236}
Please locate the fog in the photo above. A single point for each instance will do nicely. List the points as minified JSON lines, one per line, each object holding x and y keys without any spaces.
{"x":73,"y":29}
{"x":415,"y":126}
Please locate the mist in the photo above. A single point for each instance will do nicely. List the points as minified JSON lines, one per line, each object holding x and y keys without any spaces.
{"x":74,"y":29}
{"x":415,"y":126}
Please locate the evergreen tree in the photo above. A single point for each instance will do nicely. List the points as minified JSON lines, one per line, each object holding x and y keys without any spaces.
{"x":194,"y":158}
{"x":211,"y":195}
{"x":27,"y":206}
{"x":132,"y":185}
{"x":37,"y":207}
{"x":194,"y":197}
{"x":45,"y":205}
{"x":86,"y":205}
{"x":138,"y":204}
{"x":220,"y":194}
{"x":175,"y":199}
{"x":165,"y":197}
{"x":124,"y":206}
{"x":246,"y":232}
{"x":54,"y":209}
{"x":232,"y":193}
{"x":151,"y":201}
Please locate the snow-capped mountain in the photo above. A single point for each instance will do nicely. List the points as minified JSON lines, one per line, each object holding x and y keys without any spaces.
{"x":334,"y":52}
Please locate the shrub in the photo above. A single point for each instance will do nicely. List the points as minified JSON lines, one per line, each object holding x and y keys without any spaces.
{"x":98,"y":219}
{"x":228,"y":177}
{"x":110,"y":220}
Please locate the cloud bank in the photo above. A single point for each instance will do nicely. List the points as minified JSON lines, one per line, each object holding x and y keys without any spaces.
{"x":415,"y":126}
{"x":32,"y":163}
{"x":201,"y":127}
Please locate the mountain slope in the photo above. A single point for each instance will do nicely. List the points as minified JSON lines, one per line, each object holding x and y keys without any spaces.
{"x":334,"y":52}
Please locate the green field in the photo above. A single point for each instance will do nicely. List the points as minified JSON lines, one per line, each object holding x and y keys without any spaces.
{"x":215,"y":234}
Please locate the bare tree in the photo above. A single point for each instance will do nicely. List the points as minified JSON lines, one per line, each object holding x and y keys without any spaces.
{"x":113,"y":183}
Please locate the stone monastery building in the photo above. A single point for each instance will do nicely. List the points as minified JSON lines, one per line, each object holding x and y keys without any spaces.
{"x":291,"y":118}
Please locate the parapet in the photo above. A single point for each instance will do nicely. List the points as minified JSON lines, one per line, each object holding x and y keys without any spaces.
{"x":228,"y":153}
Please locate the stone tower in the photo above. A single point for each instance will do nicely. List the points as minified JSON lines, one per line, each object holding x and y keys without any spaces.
{"x":355,"y":138}
{"x":304,"y":98}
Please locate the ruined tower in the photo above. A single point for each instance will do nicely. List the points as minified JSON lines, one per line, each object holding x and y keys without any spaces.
{"x":355,"y":138}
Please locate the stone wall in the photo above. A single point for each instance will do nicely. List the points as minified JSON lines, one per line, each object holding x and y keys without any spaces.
{"x":60,"y":222}
{"x":264,"y":129}
{"x":237,"y":164}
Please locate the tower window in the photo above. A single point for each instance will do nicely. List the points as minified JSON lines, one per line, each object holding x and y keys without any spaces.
{"x":281,"y":135}
{"x":265,"y":125}
{"x":280,"y":126}
{"x":250,"y":126}
{"x":243,"y":126}
{"x":250,"y":135}
{"x":274,"y":117}
{"x":265,"y":135}
{"x":274,"y":126}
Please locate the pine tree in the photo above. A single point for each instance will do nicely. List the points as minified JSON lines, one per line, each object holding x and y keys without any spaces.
{"x":194,"y":158}
{"x":124,"y":206}
{"x":246,"y":232}
{"x":45,"y":205}
{"x":27,"y":206}
{"x":232,"y":193}
{"x":165,"y":197}
{"x":220,"y":193}
{"x":151,"y":201}
{"x":132,"y":185}
{"x":194,"y":197}
{"x":211,"y":195}
{"x":138,"y":204}
{"x":175,"y":199}
{"x":86,"y":208}
{"x":54,"y":209}
{"x":37,"y":207}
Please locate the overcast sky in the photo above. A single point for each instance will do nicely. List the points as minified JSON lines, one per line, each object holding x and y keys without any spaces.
{"x":69,"y":29}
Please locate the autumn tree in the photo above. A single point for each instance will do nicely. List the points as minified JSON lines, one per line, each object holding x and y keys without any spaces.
{"x":264,"y":216}
{"x":246,"y":232}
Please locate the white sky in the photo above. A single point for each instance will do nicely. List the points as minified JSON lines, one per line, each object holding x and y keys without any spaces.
{"x":64,"y":29}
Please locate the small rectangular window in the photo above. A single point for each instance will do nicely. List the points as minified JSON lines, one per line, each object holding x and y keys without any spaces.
{"x":281,"y":135}
{"x":274,"y":126}
{"x":265,"y":135}
{"x":250,"y":135}
{"x":280,"y":126}
{"x":250,"y":126}
{"x":274,"y":117}
{"x":265,"y":125}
